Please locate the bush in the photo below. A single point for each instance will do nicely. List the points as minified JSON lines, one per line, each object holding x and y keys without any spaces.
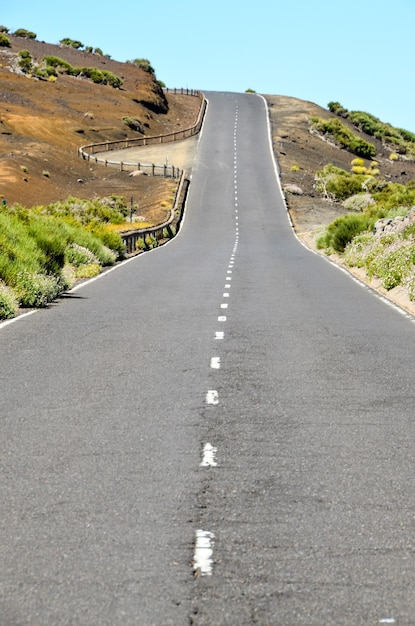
{"x":394,"y":195}
{"x":337,"y":109}
{"x":22,"y":32}
{"x":51,"y":240}
{"x":57,"y":63}
{"x":88,"y":271}
{"x":103,"y":77}
{"x":36,"y":290}
{"x":133,"y":123}
{"x":4,"y":41}
{"x":394,"y":264}
{"x":341,"y":232}
{"x":358,"y":202}
{"x":25,"y":61}
{"x":71,"y":43}
{"x":143,"y":64}
{"x":8,"y":302}
{"x":337,"y":184}
{"x":343,"y":136}
{"x":77,"y":255}
{"x":110,"y":239}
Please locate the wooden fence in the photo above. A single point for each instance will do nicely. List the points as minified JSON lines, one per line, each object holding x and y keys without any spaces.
{"x":88,"y":151}
{"x":138,"y":239}
{"x":164,"y":231}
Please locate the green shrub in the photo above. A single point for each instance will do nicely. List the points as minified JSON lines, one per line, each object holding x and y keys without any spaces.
{"x":109,"y":210}
{"x":88,"y":271}
{"x":77,"y":255}
{"x":71,"y":43}
{"x":364,"y":121}
{"x":133,"y":123}
{"x":111,"y":239}
{"x":4,"y":41}
{"x":36,"y":290}
{"x":407,"y":135}
{"x":394,"y":195}
{"x":341,"y":232}
{"x":409,"y":284}
{"x":358,"y":169}
{"x":58,"y":63}
{"x":22,"y":32}
{"x":359,"y":202}
{"x":51,"y":240}
{"x":394,"y":264}
{"x":8,"y":302}
{"x":103,"y":77}
{"x":25,"y":61}
{"x":337,"y":184}
{"x":343,"y":136}
{"x":337,"y":109}
{"x":143,"y":64}
{"x":18,"y":251}
{"x":356,"y":251}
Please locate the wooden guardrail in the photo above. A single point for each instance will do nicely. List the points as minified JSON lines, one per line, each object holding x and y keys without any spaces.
{"x":87,"y":152}
{"x":171,"y":226}
{"x":164,"y":231}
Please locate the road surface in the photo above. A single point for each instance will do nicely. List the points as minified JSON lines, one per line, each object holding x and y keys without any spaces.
{"x":218,"y":432}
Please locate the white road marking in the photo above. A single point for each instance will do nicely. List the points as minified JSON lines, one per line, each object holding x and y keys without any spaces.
{"x":224,"y":305}
{"x":219,"y":334}
{"x":202,"y":560}
{"x":229,"y":272}
{"x":227,"y":286}
{"x":222,"y":318}
{"x":215,"y":362}
{"x":387,"y":620}
{"x":209,"y":456}
{"x":226,"y":294}
{"x":212,"y":397}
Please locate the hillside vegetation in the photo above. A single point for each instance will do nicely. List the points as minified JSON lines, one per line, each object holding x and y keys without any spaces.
{"x":378,"y":233}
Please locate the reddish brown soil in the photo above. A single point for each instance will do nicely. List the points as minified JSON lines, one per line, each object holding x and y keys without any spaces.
{"x":42,"y":125}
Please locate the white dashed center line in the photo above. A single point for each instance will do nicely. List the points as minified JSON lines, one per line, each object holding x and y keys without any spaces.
{"x":215,"y":362}
{"x":208,"y":456}
{"x":212,"y":397}
{"x":202,"y":560}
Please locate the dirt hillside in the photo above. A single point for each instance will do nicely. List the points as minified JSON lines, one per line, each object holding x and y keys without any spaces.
{"x":300,"y":154}
{"x":43,"y":123}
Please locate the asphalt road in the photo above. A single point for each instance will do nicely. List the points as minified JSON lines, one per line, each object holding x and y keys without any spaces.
{"x":219,"y":432}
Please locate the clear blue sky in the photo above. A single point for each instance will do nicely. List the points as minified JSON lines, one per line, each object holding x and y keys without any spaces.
{"x":357,"y":53}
